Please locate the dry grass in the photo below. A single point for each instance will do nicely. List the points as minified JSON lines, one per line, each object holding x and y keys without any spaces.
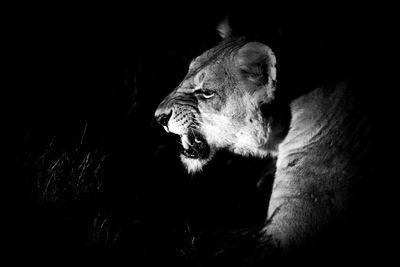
{"x":68,"y":176}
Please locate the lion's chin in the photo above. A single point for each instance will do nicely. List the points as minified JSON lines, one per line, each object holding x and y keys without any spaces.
{"x":194,"y":165}
{"x":196,"y":152}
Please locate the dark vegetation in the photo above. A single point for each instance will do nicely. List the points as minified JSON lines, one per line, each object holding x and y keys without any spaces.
{"x":96,"y":177}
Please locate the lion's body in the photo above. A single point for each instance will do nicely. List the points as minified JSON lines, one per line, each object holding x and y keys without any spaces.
{"x":318,"y":164}
{"x":319,"y":138}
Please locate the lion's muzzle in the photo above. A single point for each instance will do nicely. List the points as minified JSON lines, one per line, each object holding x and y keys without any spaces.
{"x":178,"y":114}
{"x":164,"y":112}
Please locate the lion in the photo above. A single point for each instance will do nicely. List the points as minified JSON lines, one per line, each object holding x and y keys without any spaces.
{"x":229,"y":100}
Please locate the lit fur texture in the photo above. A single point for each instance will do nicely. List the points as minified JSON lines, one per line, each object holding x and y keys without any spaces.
{"x":317,"y":156}
{"x":232,"y":118}
{"x":318,"y":164}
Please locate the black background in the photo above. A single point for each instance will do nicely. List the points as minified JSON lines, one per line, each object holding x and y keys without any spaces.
{"x":102,"y":71}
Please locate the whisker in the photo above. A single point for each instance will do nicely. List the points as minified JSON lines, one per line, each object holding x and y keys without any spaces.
{"x":179,"y":142}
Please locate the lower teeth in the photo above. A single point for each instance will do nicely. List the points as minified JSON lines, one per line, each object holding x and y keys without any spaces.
{"x":193,"y":146}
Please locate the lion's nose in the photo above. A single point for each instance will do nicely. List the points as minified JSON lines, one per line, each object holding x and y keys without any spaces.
{"x":163,"y":118}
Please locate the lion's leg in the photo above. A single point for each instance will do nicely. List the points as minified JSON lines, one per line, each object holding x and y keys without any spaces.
{"x":295,"y":214}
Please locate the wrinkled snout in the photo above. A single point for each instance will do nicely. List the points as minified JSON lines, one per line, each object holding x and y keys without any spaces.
{"x":162,"y":117}
{"x":164,"y":111}
{"x":177,"y":112}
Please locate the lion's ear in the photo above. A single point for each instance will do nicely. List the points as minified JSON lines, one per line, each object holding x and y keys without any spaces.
{"x":257,"y":63}
{"x":224,"y":29}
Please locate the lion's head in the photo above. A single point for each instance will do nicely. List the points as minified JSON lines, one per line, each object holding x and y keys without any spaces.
{"x":218,"y":104}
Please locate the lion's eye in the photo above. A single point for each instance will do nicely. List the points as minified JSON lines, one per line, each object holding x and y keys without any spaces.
{"x":206,"y":93}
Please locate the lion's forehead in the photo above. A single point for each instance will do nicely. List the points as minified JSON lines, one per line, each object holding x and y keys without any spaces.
{"x":205,"y":59}
{"x":215,"y":64}
{"x":206,"y":76}
{"x":214,"y":70}
{"x":212,"y":60}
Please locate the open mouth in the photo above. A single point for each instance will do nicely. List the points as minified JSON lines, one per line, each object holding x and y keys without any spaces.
{"x":194,"y":145}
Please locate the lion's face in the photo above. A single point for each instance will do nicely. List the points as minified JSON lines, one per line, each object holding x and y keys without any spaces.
{"x":217,"y":105}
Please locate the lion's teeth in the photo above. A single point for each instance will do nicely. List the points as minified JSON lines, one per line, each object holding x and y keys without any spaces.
{"x":185,"y":141}
{"x":166,"y":129}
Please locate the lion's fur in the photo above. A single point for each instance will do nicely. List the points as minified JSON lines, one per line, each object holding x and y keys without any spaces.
{"x":318,"y":147}
{"x":317,"y":165}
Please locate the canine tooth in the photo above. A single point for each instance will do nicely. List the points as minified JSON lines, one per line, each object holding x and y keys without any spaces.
{"x":185,"y":141}
{"x":166,"y":129}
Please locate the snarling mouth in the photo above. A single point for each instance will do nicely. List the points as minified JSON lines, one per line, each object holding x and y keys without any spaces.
{"x":194,"y":145}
